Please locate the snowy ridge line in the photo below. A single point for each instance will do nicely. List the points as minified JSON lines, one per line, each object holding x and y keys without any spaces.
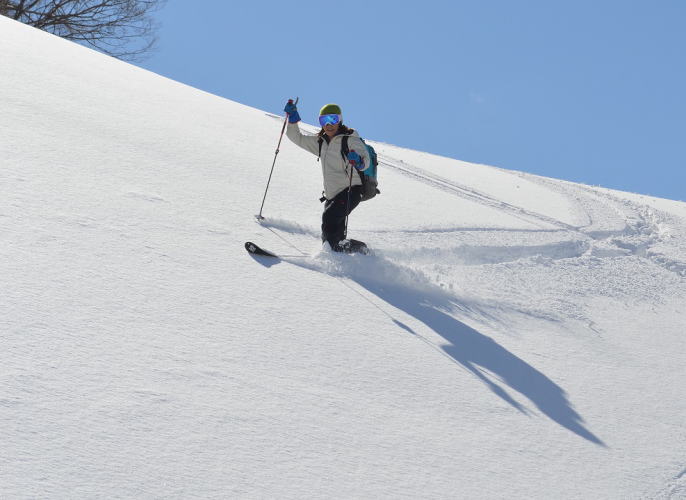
{"x":473,"y":195}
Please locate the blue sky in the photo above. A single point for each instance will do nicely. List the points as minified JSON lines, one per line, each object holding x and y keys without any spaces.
{"x":589,"y":91}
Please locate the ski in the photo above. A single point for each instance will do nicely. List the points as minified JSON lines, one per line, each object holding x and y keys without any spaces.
{"x":255,"y":250}
{"x":348,"y":247}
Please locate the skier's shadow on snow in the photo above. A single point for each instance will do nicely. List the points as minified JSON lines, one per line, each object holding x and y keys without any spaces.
{"x":484,"y":358}
{"x":488,"y":361}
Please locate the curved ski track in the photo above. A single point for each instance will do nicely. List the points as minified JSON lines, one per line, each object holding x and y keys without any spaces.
{"x":633,"y":230}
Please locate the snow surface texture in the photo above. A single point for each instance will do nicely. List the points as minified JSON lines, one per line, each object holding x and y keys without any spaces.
{"x":512,"y":336}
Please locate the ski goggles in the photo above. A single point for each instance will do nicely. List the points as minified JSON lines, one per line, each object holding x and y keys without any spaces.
{"x":332,"y":119}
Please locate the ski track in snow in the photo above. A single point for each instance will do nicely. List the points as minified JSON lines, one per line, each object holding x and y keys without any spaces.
{"x":634,"y":230}
{"x":675,"y":489}
{"x":643,"y":229}
{"x":471,"y":194}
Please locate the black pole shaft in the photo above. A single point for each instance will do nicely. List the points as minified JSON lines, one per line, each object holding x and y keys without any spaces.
{"x":347,"y":207}
{"x":283,"y":128}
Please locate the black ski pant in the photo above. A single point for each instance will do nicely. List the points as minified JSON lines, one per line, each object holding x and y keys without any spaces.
{"x":335,"y":212}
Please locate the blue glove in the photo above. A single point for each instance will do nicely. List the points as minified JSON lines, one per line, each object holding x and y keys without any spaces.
{"x":355,"y":160}
{"x":292,"y":110}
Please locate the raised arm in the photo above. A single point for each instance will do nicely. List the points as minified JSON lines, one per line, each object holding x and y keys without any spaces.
{"x":305,"y":141}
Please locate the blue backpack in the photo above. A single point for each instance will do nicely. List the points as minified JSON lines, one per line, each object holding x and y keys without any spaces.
{"x":370,"y":182}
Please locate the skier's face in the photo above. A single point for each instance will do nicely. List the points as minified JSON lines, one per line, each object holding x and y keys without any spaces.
{"x":331,"y":129}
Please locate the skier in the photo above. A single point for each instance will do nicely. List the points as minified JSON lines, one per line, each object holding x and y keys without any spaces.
{"x":342,"y":186}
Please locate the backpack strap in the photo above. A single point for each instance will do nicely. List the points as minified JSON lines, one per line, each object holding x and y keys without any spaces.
{"x":344,"y":147}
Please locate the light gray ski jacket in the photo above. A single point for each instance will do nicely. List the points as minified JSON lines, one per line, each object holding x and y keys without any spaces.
{"x":335,"y":170}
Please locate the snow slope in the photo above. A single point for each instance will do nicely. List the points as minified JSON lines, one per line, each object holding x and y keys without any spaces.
{"x":512,"y":337}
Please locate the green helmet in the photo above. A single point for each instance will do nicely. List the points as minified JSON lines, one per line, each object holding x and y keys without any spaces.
{"x":330,"y":109}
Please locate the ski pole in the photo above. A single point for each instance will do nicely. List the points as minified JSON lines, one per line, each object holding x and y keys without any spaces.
{"x":259,"y":216}
{"x":347,"y":206}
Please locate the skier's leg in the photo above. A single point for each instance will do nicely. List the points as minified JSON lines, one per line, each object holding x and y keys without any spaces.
{"x":333,"y":221}
{"x":333,"y":218}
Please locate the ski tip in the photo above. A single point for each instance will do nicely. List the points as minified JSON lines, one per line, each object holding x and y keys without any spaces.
{"x":255,"y":250}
